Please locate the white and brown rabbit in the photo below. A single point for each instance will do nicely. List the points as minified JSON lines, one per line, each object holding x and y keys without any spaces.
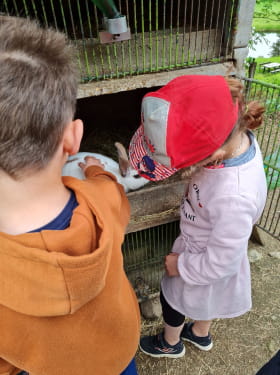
{"x":125,"y":174}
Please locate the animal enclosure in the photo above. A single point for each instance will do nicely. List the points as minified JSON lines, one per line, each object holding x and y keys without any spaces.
{"x":164,"y":34}
{"x":155,"y":208}
{"x":167,"y":38}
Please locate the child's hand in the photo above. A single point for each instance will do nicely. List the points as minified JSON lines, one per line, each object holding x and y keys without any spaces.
{"x":89,"y":161}
{"x":171,"y":264}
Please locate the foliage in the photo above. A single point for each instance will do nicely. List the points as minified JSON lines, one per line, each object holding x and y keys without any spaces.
{"x":272,"y":175}
{"x":272,"y":78}
{"x":256,"y":36}
{"x":275,"y":49}
{"x":267,"y":16}
{"x":266,"y":9}
{"x":266,"y":19}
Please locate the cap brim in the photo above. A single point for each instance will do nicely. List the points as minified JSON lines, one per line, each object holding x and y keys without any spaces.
{"x":142,"y":159}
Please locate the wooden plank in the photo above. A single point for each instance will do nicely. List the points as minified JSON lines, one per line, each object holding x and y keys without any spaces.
{"x":270,"y":67}
{"x":155,"y":205}
{"x":150,"y":80}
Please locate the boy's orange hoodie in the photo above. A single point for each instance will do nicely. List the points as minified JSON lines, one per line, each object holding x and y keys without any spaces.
{"x":66,"y":306}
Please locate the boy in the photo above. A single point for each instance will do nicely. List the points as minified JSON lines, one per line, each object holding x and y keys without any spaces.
{"x":66,"y":306}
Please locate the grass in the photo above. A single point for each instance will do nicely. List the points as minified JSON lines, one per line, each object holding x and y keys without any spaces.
{"x":272,"y":78}
{"x":267,"y":25}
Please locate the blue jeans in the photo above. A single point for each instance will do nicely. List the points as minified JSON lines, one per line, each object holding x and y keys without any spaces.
{"x":131,"y":369}
{"x":272,"y":367}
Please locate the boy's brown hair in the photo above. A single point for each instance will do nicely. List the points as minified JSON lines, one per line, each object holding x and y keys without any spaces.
{"x":38,"y":88}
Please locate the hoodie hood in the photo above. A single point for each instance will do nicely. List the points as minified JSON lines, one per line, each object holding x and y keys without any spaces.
{"x":54,"y":273}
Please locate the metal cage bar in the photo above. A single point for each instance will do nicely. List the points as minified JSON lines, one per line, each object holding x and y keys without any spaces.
{"x":144,"y":252}
{"x":165,"y":34}
{"x":268,"y":136}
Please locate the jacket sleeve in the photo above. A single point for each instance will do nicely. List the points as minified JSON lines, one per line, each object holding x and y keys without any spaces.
{"x":94,"y":171}
{"x":103,"y":178}
{"x":231,"y":220}
{"x":7,"y":369}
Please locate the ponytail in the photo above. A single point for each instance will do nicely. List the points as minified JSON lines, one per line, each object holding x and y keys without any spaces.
{"x":252,"y":117}
{"x":250,"y":114}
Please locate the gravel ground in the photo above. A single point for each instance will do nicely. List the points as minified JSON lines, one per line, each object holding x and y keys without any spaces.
{"x":241,"y":345}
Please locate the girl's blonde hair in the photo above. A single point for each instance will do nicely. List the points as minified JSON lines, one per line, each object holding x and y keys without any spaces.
{"x":250,"y":114}
{"x":250,"y":117}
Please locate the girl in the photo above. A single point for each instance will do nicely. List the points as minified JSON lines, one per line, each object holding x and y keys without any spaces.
{"x":202,"y":123}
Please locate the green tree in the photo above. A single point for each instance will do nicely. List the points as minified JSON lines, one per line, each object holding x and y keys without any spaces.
{"x":275,"y":50}
{"x":265,"y":10}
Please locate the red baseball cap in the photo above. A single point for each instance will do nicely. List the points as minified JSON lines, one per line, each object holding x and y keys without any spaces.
{"x":182,"y":123}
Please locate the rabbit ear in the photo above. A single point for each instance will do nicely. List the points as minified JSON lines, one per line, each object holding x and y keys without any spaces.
{"x":123,"y":159}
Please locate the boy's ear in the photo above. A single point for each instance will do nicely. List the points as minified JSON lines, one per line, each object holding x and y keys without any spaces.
{"x":72,"y":137}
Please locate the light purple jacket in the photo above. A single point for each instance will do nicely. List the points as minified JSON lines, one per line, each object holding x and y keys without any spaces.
{"x":217,"y":215}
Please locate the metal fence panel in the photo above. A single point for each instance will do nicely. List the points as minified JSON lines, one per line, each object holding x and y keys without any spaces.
{"x":268,"y":136}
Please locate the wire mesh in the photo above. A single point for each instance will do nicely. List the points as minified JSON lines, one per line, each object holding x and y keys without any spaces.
{"x":144,"y":253}
{"x":166,"y":34}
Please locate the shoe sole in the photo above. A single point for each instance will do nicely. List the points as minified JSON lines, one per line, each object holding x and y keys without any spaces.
{"x":166,"y":355}
{"x":204,"y":348}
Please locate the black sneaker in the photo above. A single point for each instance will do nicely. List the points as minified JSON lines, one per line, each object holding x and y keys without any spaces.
{"x":156,"y":346}
{"x":203,"y":343}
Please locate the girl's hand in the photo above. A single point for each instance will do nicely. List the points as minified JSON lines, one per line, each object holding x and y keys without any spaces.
{"x":171,"y":264}
{"x":89,"y":161}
